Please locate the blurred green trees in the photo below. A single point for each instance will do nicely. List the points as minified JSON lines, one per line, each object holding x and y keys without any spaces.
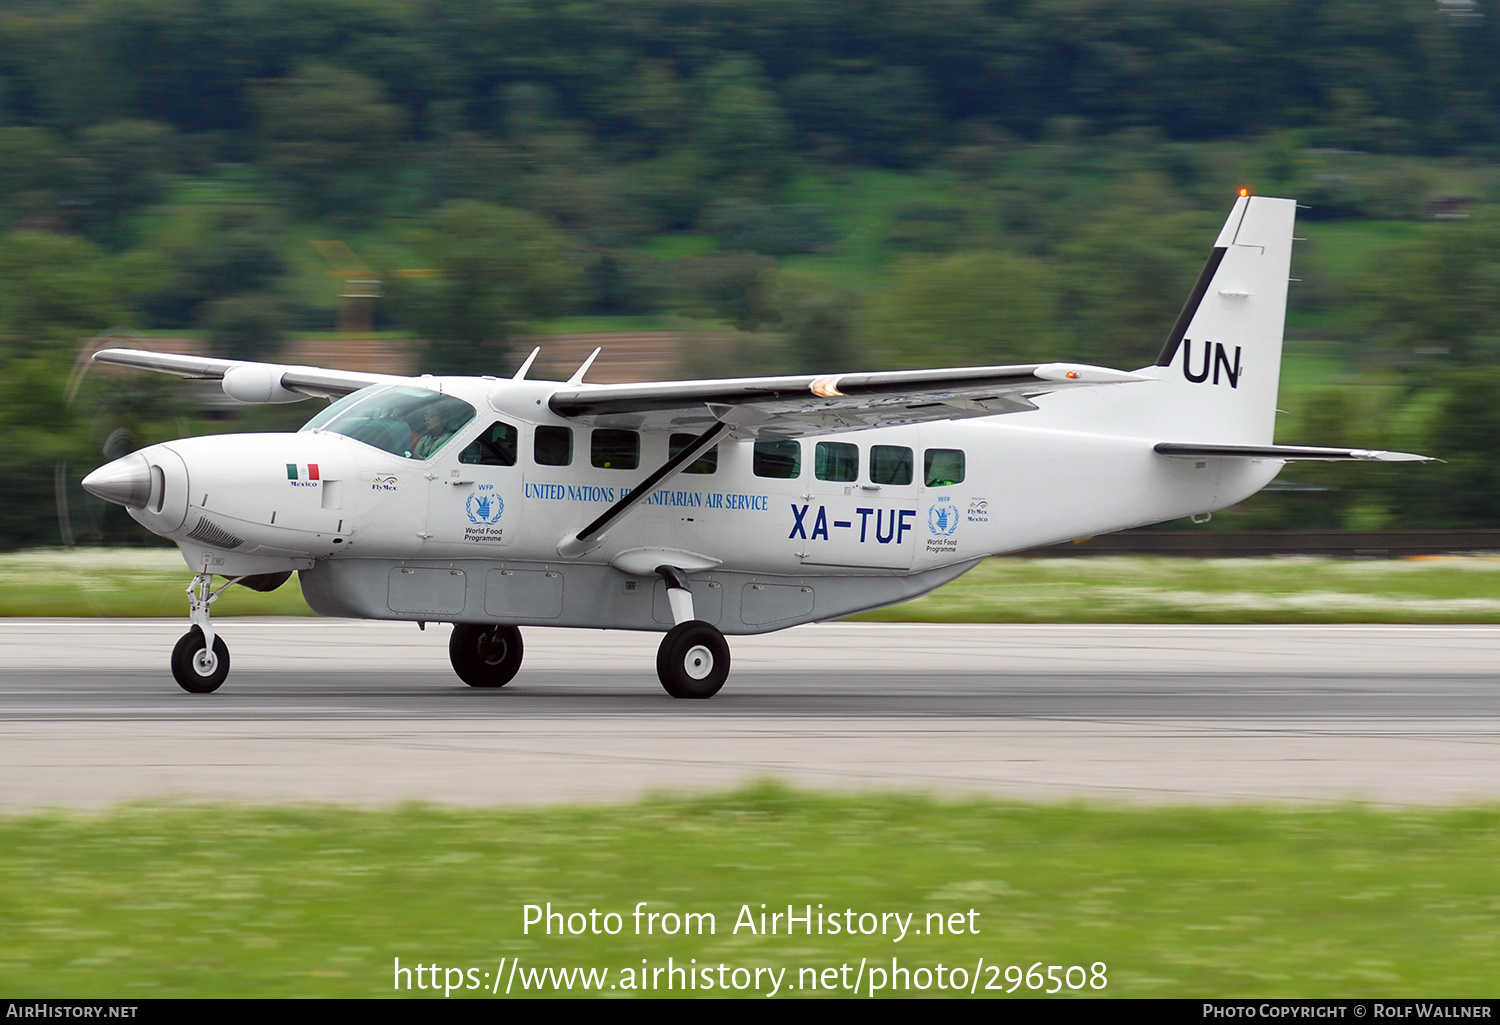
{"x":968,"y":308}
{"x":1442,"y":293}
{"x":124,"y":166}
{"x":1127,"y":274}
{"x":831,"y":186}
{"x":493,"y":269}
{"x":29,"y":171}
{"x":221,"y":273}
{"x":330,"y":135}
{"x":54,"y":290}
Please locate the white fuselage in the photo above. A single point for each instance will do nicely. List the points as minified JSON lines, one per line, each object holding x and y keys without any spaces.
{"x":387,"y":536}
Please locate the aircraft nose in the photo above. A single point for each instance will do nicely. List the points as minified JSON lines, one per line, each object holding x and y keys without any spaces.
{"x":126,"y":481}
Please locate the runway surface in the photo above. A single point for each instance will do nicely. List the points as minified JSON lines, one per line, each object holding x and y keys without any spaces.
{"x":370,"y":714}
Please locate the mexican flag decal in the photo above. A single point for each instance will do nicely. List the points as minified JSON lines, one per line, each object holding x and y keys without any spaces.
{"x":304,"y":471}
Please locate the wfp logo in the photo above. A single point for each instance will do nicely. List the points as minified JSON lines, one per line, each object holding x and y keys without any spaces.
{"x":485,"y":508}
{"x":942,"y":519}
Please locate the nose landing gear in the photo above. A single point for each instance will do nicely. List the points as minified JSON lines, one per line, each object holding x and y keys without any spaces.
{"x":200,"y":661}
{"x":197,"y":669}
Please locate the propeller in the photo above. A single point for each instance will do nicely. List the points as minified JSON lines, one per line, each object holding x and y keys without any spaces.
{"x":112,"y":409}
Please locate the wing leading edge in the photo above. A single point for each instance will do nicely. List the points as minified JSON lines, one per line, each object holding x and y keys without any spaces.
{"x":821,"y":404}
{"x":245,"y":380}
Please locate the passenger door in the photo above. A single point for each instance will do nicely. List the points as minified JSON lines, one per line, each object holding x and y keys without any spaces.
{"x":474,"y":501}
{"x":860,"y":509}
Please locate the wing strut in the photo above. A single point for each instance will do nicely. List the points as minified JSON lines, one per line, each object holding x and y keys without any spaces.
{"x":591,"y":536}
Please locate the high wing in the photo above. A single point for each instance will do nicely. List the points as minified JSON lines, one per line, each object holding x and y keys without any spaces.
{"x":792,"y":406}
{"x":245,"y":380}
{"x":1288,"y":453}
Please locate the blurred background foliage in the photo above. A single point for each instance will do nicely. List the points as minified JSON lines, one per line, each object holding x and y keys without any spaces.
{"x":883,"y":184}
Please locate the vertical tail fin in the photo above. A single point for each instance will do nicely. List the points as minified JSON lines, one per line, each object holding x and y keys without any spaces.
{"x":1221,"y":364}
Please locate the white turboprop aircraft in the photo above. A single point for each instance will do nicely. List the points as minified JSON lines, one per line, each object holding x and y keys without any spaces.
{"x":707,"y":507}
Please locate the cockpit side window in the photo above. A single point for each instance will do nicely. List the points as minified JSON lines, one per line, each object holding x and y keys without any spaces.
{"x":553,"y":446}
{"x":943,"y":467}
{"x":413,"y":423}
{"x":495,"y":447}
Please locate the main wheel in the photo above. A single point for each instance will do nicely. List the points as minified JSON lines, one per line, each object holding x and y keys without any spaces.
{"x":485,"y":656}
{"x":693,"y":660}
{"x":196,"y":669}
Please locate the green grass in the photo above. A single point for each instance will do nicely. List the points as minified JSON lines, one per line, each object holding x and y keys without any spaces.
{"x":1177,"y":902}
{"x":1158,"y":589}
{"x":122,"y":582}
{"x":1096,"y":589}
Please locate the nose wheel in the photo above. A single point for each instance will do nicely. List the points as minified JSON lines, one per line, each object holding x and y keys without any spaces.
{"x":693,"y":660}
{"x":198,"y":668}
{"x":200,"y":661}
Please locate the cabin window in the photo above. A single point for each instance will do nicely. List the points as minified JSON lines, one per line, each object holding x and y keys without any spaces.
{"x":835,"y":460}
{"x":495,"y":447}
{"x":943,"y":467}
{"x":611,"y":449}
{"x":777,"y":459}
{"x":410,"y":422}
{"x":553,"y":446}
{"x":708,"y":462}
{"x":890,"y":464}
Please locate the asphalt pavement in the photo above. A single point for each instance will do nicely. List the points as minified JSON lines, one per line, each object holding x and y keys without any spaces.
{"x":320,"y":711}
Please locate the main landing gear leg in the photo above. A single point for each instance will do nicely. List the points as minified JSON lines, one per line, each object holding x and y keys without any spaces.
{"x":200,"y":661}
{"x":693,"y":660}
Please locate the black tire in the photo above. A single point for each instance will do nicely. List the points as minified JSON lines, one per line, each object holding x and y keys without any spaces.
{"x":485,"y":656}
{"x":194,"y":672}
{"x":693,"y":660}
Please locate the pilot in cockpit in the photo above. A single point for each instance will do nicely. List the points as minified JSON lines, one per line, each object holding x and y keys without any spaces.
{"x":433,"y":437}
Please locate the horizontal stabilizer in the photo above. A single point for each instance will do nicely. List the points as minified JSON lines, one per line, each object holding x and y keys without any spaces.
{"x":1285,"y":452}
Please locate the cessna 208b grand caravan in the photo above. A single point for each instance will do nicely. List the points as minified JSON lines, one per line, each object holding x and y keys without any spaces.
{"x":705,"y":508}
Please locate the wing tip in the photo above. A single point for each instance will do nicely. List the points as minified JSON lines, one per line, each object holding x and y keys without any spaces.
{"x":1083,"y":373}
{"x":1287,"y":453}
{"x":1381,"y":456}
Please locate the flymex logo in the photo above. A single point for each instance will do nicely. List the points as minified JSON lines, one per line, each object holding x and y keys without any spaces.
{"x":1215,"y":357}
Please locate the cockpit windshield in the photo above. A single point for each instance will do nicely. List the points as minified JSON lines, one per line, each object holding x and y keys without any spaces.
{"x":411,"y":422}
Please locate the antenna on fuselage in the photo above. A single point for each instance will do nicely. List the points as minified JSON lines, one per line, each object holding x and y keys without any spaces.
{"x":577,"y":377}
{"x":521,"y":374}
